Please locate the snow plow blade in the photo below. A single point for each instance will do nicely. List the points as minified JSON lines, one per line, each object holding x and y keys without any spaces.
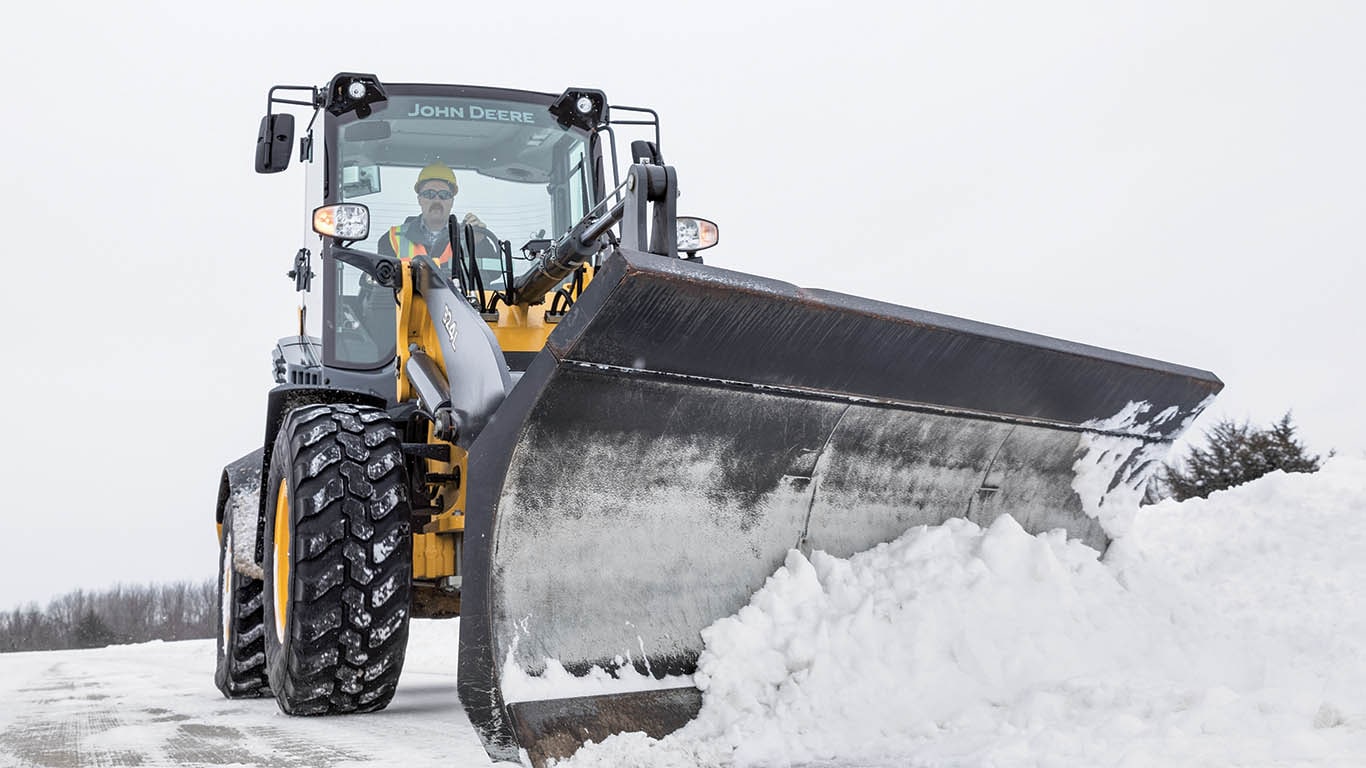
{"x":686,"y":426}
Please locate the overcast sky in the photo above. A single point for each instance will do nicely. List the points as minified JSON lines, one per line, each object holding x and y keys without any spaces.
{"x":1179,"y":180}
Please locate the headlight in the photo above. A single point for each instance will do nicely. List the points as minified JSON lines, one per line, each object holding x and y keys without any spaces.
{"x":345,"y":221}
{"x":696,"y":234}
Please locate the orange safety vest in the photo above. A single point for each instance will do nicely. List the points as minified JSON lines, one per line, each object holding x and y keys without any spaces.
{"x":406,"y":249}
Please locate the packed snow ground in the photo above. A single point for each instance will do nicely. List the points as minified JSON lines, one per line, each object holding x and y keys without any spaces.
{"x":1227,"y":631}
{"x":154,"y":704}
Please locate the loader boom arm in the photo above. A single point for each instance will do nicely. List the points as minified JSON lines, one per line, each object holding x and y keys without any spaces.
{"x":652,"y":188}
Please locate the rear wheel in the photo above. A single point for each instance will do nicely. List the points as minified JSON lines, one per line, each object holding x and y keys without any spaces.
{"x":241,"y":670}
{"x":338,"y":565}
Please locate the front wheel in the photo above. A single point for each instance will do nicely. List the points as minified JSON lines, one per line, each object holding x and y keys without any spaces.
{"x":338,"y":561}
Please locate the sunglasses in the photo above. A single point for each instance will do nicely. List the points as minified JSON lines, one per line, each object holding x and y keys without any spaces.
{"x":432,"y":194}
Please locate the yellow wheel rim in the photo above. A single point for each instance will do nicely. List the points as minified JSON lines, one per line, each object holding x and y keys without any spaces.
{"x":281,"y":560}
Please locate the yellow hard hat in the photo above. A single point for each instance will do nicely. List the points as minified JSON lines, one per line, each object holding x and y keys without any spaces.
{"x":436,"y":172}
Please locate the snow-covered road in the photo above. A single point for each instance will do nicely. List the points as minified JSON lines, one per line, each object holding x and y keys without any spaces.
{"x":155,"y":705}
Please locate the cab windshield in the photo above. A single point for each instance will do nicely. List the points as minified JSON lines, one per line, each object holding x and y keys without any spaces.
{"x":520,"y":173}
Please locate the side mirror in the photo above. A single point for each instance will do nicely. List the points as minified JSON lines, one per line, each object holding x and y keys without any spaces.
{"x":645,"y":152}
{"x":274,"y":143}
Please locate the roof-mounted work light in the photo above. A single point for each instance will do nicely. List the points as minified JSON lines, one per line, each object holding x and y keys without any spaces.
{"x":580,"y":107}
{"x":352,"y":92}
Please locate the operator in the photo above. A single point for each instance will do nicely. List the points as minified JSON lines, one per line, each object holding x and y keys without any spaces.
{"x":428,"y":233}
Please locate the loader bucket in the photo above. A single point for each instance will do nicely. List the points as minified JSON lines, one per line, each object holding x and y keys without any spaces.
{"x":686,"y":426}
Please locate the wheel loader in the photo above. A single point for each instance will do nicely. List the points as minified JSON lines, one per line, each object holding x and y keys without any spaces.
{"x":562,"y":426}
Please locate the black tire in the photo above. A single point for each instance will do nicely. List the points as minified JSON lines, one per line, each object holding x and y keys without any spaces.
{"x":338,"y":561}
{"x":241,"y":669}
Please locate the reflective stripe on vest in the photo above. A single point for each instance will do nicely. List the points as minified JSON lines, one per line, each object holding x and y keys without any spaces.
{"x":406,"y":249}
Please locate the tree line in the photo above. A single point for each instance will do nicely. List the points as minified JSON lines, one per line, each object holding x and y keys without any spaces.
{"x":1234,"y":453}
{"x":181,"y":610}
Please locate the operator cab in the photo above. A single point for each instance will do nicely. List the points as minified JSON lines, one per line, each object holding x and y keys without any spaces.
{"x":525,"y":166}
{"x":525,"y":176}
{"x":528,"y":178}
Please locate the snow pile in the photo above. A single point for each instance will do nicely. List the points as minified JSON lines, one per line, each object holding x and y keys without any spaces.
{"x":1223,"y":631}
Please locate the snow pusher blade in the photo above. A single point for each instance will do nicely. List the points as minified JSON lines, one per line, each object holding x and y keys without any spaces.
{"x":686,"y":426}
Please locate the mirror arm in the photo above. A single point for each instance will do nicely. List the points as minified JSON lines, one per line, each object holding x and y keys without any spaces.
{"x":272,"y":100}
{"x":384,"y":269}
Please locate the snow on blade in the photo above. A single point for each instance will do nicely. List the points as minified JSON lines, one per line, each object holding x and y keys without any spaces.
{"x":556,"y":682}
{"x":1214,"y":632}
{"x":1113,"y":470}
